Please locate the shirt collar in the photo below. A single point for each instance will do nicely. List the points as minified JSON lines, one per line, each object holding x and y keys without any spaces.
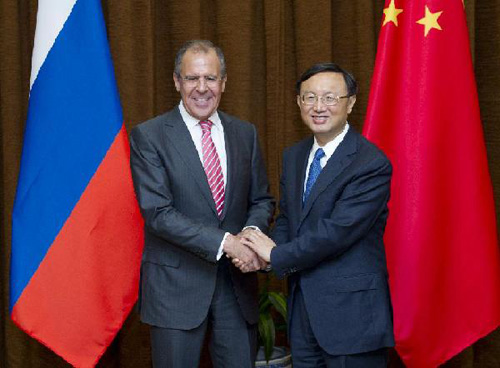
{"x":331,"y":146}
{"x":191,"y":121}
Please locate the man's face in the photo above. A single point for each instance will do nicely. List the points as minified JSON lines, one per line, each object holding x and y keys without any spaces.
{"x":200,"y":96}
{"x":326,"y":122}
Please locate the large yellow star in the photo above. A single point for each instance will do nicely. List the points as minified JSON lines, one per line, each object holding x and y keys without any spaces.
{"x":430,"y":21}
{"x":391,"y":14}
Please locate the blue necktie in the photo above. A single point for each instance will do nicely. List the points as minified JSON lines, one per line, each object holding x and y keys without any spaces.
{"x":314,"y":171}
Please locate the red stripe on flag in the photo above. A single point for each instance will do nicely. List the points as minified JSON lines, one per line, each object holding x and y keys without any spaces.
{"x":88,"y":282}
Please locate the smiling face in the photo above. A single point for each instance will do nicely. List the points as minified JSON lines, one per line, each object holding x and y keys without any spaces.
{"x":199,"y":98}
{"x":326,"y":122}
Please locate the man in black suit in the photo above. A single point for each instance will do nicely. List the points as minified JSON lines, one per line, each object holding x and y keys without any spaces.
{"x":200,"y":181}
{"x":329,"y":234}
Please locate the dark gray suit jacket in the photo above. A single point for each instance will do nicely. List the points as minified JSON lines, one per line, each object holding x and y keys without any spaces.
{"x":182,"y":230}
{"x":333,"y":244}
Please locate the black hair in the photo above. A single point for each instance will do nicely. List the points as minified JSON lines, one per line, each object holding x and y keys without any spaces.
{"x":352,"y":85}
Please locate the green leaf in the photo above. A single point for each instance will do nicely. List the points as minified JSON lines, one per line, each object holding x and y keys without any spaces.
{"x":264,"y":305}
{"x":267,"y":333}
{"x":279,"y":302}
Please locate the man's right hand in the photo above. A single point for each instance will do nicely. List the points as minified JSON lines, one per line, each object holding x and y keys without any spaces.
{"x":247,"y":257}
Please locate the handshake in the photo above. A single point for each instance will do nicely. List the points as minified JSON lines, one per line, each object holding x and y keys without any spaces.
{"x":250,"y":250}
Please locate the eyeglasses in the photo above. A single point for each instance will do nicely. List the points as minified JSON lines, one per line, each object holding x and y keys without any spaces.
{"x":193,"y":80}
{"x":328,"y":99}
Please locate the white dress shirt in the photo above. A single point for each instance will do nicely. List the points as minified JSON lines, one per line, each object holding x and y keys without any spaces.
{"x":194,"y":128}
{"x":328,"y":148}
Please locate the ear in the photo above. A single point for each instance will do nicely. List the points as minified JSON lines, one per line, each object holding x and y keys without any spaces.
{"x":350,"y":103}
{"x":298,"y":101}
{"x":177,"y":83}
{"x":223,"y":84}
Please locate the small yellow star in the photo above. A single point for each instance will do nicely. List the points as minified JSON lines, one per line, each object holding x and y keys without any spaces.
{"x":391,"y":14}
{"x":430,"y":21}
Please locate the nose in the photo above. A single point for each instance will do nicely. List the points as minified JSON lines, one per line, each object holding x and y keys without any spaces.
{"x":319,"y":105}
{"x":202,"y":85}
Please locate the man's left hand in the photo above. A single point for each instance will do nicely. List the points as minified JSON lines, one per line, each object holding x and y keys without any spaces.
{"x":260,"y":244}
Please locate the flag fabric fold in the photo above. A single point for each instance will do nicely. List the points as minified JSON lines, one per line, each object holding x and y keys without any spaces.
{"x":77,"y":233}
{"x":441,"y":236}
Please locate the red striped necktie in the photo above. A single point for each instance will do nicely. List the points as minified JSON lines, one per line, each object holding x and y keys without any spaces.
{"x":212,"y":166}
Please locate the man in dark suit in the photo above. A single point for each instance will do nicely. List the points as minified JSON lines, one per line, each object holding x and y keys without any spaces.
{"x":200,"y":181}
{"x":333,"y":210}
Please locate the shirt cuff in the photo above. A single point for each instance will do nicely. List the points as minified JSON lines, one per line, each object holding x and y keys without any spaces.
{"x":252,"y":227}
{"x":221,"y":247}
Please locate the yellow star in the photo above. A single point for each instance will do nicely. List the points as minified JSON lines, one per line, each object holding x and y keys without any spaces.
{"x":391,"y":14}
{"x":430,"y":21}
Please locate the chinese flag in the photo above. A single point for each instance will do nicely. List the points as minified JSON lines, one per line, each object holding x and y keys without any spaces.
{"x":441,"y":237}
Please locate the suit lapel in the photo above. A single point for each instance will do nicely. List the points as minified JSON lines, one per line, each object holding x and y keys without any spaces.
{"x":301,"y":159}
{"x":180,"y":138}
{"x":230,"y":138}
{"x":341,"y":158}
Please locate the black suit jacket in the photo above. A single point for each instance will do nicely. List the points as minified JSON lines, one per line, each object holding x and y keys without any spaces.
{"x":333,"y":244}
{"x":182,"y":230}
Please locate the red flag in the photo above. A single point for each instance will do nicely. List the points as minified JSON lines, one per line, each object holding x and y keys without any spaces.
{"x":441,"y":238}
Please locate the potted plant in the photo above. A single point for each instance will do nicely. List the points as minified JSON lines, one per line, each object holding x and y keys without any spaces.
{"x":272,"y":318}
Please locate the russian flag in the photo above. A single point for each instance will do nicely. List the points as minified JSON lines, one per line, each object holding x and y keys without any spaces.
{"x":77,"y":233}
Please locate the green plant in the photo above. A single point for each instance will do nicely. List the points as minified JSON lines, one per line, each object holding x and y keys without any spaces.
{"x":272,"y":317}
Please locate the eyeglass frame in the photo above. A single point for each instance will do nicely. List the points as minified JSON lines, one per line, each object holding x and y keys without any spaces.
{"x":193,"y":80}
{"x":322,"y":98}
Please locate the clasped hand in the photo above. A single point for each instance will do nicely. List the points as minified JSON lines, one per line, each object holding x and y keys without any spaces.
{"x":250,"y":250}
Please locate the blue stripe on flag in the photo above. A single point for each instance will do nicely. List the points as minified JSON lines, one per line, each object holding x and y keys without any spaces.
{"x":74,"y":115}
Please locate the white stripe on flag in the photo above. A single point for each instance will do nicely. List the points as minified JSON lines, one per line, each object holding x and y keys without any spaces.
{"x":51,"y":16}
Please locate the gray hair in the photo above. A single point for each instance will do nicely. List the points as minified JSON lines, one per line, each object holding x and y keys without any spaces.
{"x":199,"y":46}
